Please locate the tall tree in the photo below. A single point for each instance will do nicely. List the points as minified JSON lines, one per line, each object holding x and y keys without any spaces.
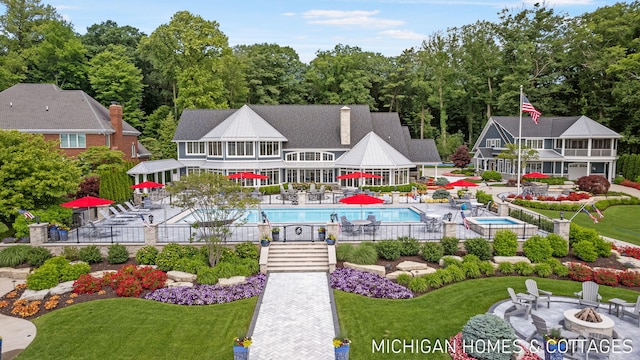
{"x":19,"y":24}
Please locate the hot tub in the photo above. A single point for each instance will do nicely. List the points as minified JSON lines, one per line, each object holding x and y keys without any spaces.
{"x":487,"y":226}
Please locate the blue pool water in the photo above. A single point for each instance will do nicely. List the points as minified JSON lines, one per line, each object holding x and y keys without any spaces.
{"x":497,"y":221}
{"x":314,"y":215}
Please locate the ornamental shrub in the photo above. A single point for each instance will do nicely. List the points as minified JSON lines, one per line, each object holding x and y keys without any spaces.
{"x":440,"y":194}
{"x":190,"y":265}
{"x":73,"y":271}
{"x":470,"y":258}
{"x":491,"y":175}
{"x":450,"y":245}
{"x":389,"y":249}
{"x":441,"y":181}
{"x":506,"y":268}
{"x":559,"y":246}
{"x":450,"y":260}
{"x":167,"y":258}
{"x":578,"y":233}
{"x":247,"y":250}
{"x":404,"y":279}
{"x":605,"y":277}
{"x":523,"y":268}
{"x":71,"y":253}
{"x":580,"y":272}
{"x":505,"y":243}
{"x":603,"y":247}
{"x":432,"y":251}
{"x":38,"y":255}
{"x":595,"y":184}
{"x":418,"y":285}
{"x":486,"y":268}
{"x":471,"y":269}
{"x":207,"y":275}
{"x":457,"y":273}
{"x":561,"y":271}
{"x":537,"y":249}
{"x":90,"y":254}
{"x":44,"y":277}
{"x":434,"y":280}
{"x":543,"y":269}
{"x":147,"y":255}
{"x":409,"y":246}
{"x":364,"y":254}
{"x":14,"y":255}
{"x":58,"y":261}
{"x":117,"y":254}
{"x":446,"y":276}
{"x":343,"y":252}
{"x":489,"y":329}
{"x":585,"y":250}
{"x":479,"y":247}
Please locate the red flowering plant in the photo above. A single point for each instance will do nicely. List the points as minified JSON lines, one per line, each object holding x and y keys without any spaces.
{"x":606,"y":277}
{"x":629,"y":278}
{"x":580,"y":272}
{"x":87,"y":284}
{"x":630,"y":251}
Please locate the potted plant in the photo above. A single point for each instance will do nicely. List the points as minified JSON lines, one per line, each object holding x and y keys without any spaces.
{"x":331,"y":239}
{"x":241,"y":348}
{"x":275,"y":233}
{"x":265,"y":240}
{"x":322,"y":233}
{"x":54,"y":235}
{"x":341,"y":348}
{"x":63,"y":232}
{"x":554,"y":345}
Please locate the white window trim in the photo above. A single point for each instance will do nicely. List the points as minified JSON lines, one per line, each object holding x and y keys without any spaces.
{"x":492,"y":143}
{"x":200,"y":146}
{"x":276,"y":154}
{"x":77,"y":136}
{"x":253,"y":149}
{"x":211,"y":145}
{"x":321,"y":153}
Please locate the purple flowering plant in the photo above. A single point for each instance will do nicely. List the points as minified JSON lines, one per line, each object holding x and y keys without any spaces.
{"x":367,"y":284}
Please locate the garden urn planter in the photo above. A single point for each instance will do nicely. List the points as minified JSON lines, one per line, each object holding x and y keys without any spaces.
{"x":275,"y":236}
{"x":321,"y":235}
{"x":63,"y":234}
{"x":342,"y":352}
{"x":554,"y":351}
{"x":240,"y":353}
{"x":54,"y":235}
{"x":331,"y":241}
{"x":264,"y":242}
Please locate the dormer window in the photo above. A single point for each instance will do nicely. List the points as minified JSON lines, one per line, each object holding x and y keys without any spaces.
{"x":493,"y":143}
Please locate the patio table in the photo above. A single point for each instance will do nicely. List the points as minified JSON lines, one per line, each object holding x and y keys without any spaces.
{"x":617,"y":303}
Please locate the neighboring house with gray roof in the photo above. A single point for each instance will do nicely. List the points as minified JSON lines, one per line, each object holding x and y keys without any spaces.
{"x":301,"y":143}
{"x":570,"y":147}
{"x":71,"y":118}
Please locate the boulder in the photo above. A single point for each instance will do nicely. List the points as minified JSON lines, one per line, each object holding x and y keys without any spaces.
{"x":418,"y":273}
{"x":441,"y":262}
{"x":232,"y":280}
{"x":394,"y":275}
{"x":31,"y":295}
{"x":181,"y":276}
{"x":173,"y":284}
{"x":511,"y":259}
{"x":101,"y":273}
{"x":17,"y":274}
{"x":375,"y":269}
{"x":62,"y":288}
{"x":411,"y":265}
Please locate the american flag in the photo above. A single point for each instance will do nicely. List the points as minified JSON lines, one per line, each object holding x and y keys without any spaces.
{"x":26,"y":214}
{"x":597,"y":211}
{"x":595,"y":221}
{"x":528,"y":108}
{"x":144,"y":221}
{"x":464,"y":220}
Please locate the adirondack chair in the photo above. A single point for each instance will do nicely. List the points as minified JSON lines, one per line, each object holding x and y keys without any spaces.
{"x":589,"y":295}
{"x":540,"y":295}
{"x":600,"y":344}
{"x":541,"y":330}
{"x":520,"y":305}
{"x":634,"y":312}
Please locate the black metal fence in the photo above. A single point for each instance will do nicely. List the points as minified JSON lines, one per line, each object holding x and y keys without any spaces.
{"x":542,"y":222}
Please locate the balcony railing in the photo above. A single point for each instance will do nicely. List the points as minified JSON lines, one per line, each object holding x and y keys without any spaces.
{"x":585,"y":152}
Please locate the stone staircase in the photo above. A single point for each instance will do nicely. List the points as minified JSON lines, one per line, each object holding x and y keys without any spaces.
{"x":298,"y":257}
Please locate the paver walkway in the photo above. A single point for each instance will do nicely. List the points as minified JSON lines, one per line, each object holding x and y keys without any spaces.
{"x":295,"y":318}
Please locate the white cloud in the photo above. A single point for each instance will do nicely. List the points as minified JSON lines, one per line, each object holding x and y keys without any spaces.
{"x":66,"y":7}
{"x":346,"y":18}
{"x":289,"y":14}
{"x":402,"y":34}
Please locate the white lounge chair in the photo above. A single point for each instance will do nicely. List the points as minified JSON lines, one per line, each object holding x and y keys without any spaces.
{"x":109,"y":219}
{"x":124,"y":210}
{"x":133,"y":208}
{"x":540,"y":295}
{"x":589,"y":295}
{"x":520,"y":305}
{"x":118,"y":214}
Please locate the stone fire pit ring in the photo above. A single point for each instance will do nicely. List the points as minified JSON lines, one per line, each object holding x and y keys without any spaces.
{"x":572,"y":323}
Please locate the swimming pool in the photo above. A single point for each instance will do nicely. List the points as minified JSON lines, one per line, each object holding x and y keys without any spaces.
{"x":489,"y":226}
{"x":323,"y":215}
{"x":498,"y":221}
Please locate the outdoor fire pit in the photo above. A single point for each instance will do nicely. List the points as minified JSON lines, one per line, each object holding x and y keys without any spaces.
{"x":588,"y":320}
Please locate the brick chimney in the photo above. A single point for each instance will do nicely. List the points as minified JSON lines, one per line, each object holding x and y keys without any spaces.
{"x":345,"y":126}
{"x":115,"y":115}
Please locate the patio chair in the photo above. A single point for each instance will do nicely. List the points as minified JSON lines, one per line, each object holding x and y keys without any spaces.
{"x":541,"y":329}
{"x":486,"y":209}
{"x":119,"y":214}
{"x":96,"y":231}
{"x":108,"y":218}
{"x":348,"y":228}
{"x":634,"y":312}
{"x":600,"y":344}
{"x":132,"y":207}
{"x":520,"y":306}
{"x":453,"y":203}
{"x":387,"y":199}
{"x":372,"y":228}
{"x":124,"y":210}
{"x":148,"y":204}
{"x":589,"y":295}
{"x":540,"y":295}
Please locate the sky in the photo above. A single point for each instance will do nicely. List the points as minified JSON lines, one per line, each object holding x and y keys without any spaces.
{"x":381,"y":26}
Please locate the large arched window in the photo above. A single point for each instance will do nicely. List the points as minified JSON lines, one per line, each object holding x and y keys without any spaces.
{"x":310,"y":156}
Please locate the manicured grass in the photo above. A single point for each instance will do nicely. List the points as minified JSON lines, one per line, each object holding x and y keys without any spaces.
{"x":437,"y":315}
{"x":620,"y":222}
{"x":126,"y":328}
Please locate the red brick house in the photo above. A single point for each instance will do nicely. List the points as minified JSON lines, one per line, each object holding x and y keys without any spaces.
{"x":73,"y":119}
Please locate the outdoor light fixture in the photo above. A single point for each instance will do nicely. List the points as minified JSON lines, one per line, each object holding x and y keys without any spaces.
{"x":37,"y":219}
{"x":448,"y":216}
{"x":264,"y":217}
{"x":150,"y":219}
{"x":561,"y":215}
{"x":334,"y":217}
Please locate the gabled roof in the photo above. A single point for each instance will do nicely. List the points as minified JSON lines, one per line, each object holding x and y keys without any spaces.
{"x":585,"y":127}
{"x":373,"y":152}
{"x":154,"y":166}
{"x":47,"y":109}
{"x":244,"y":125}
{"x":555,"y":127}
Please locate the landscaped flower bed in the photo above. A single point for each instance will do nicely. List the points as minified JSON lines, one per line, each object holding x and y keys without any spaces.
{"x":367,"y":284}
{"x":209,"y":294}
{"x":574,"y":196}
{"x":630,"y":251}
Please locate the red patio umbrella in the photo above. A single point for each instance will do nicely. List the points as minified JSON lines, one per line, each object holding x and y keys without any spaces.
{"x":359,"y":175}
{"x":247,"y":175}
{"x":86,"y":202}
{"x":147,"y":185}
{"x":361,"y":199}
{"x":536,"y":175}
{"x":462,"y":183}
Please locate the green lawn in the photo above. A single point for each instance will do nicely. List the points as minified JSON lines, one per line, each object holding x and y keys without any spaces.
{"x":437,"y":315}
{"x":127,"y":328}
{"x":620,"y":222}
{"x":141,"y":329}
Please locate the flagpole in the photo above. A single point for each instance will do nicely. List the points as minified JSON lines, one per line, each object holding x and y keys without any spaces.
{"x":519,"y":142}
